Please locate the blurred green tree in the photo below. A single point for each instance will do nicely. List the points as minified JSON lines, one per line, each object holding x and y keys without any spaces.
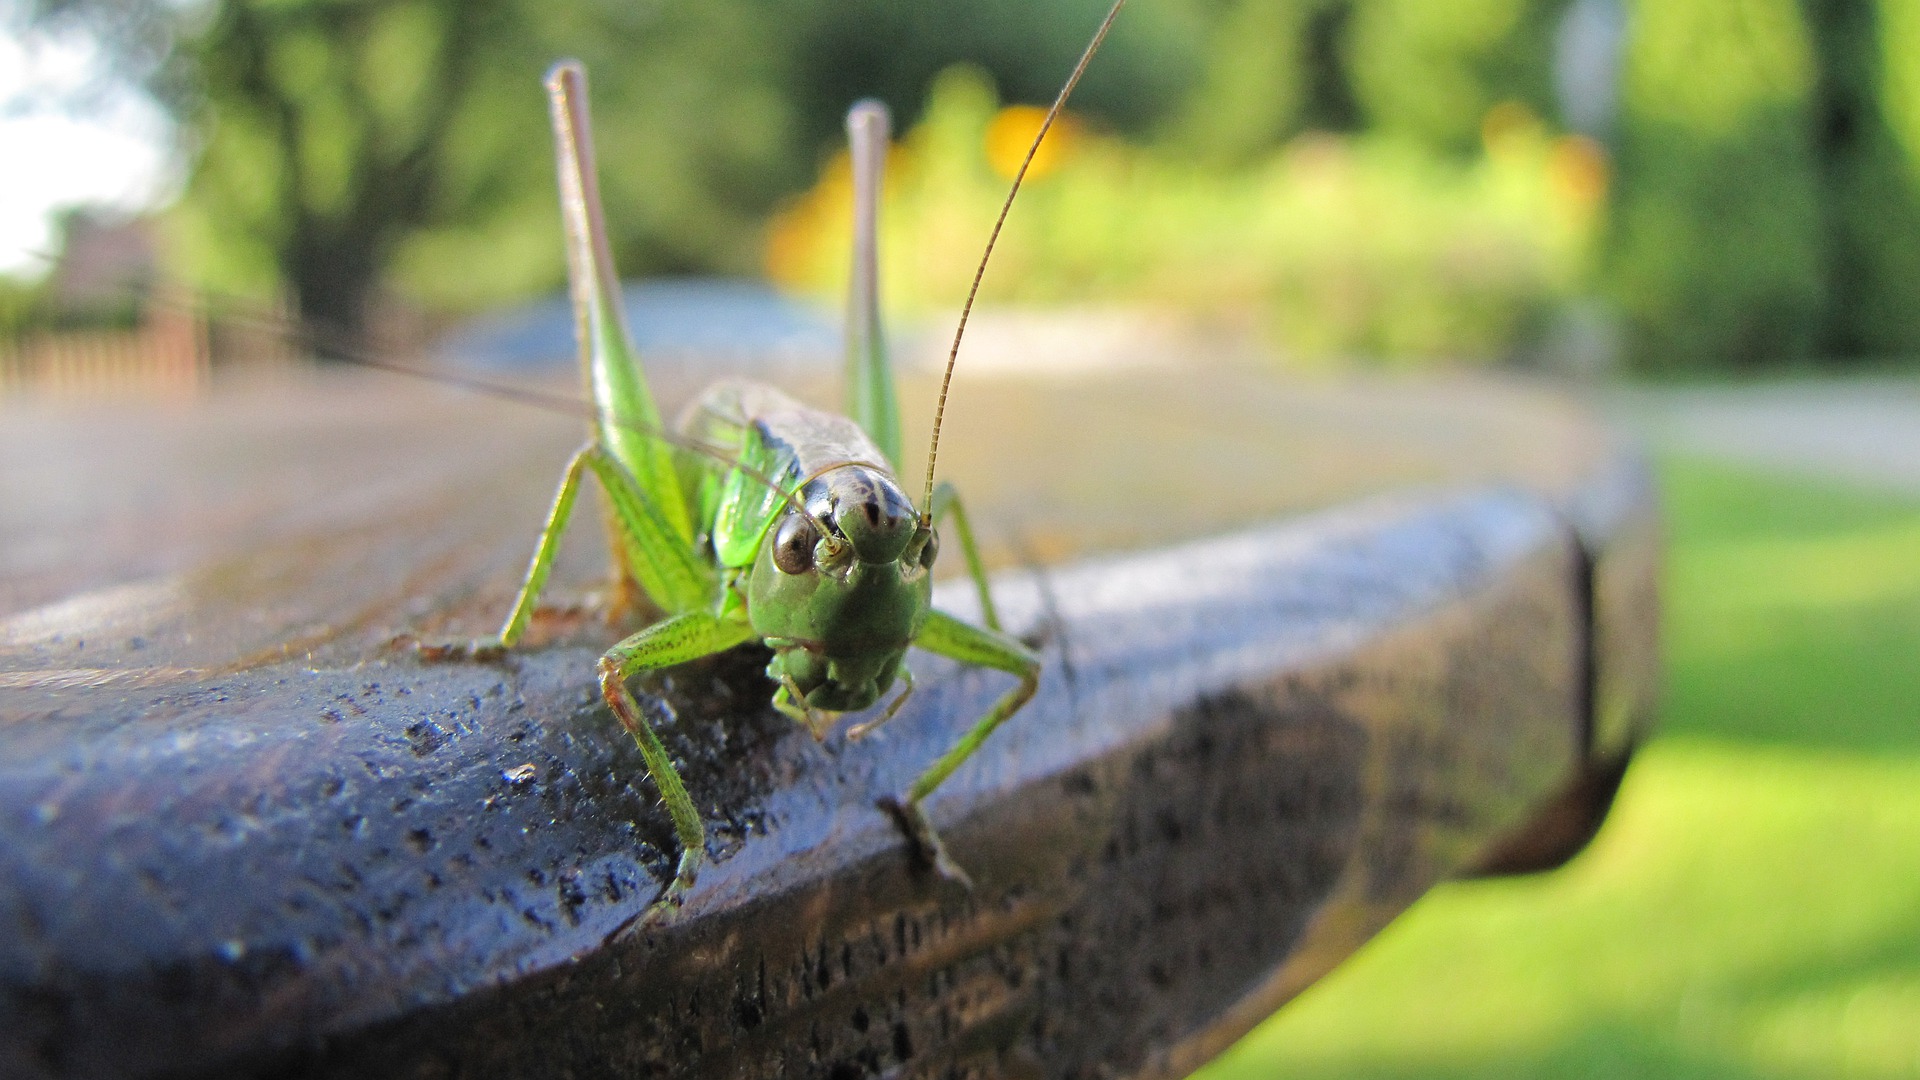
{"x":1430,"y":72}
{"x":326,"y":134}
{"x":1716,"y":248}
{"x":1867,"y":136}
{"x":842,"y":50}
{"x":341,"y":146}
{"x":342,"y":143}
{"x":1275,"y":68}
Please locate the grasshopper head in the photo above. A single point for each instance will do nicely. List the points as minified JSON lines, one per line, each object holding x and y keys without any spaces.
{"x":840,"y":592}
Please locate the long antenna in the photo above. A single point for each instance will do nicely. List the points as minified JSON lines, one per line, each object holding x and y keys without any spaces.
{"x":544,"y":400}
{"x":953,"y":354}
{"x":560,"y":403}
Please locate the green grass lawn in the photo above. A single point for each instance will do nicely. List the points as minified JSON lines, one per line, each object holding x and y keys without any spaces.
{"x":1752,"y":907}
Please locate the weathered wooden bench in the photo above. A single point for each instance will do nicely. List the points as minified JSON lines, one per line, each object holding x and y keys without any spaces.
{"x":1311,"y":648}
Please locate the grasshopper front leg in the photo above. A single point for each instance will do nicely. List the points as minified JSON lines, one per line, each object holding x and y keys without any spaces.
{"x":664,"y":644}
{"x":947,"y":636}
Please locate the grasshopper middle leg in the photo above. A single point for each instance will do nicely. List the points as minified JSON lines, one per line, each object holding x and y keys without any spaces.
{"x":949,"y":637}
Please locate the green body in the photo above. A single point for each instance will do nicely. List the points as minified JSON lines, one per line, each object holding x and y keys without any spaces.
{"x":795,"y":532}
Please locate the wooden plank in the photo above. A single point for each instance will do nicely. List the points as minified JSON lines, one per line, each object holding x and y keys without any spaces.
{"x":242,"y":837}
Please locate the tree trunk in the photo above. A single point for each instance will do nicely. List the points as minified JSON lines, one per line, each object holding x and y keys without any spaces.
{"x":333,"y":274}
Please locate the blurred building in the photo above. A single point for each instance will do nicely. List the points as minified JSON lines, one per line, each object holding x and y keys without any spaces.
{"x":108,"y":265}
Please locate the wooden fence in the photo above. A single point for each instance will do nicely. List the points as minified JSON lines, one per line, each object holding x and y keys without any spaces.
{"x":167,"y":356}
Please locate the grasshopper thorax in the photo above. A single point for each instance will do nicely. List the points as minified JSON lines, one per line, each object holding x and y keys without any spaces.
{"x":840,"y":591}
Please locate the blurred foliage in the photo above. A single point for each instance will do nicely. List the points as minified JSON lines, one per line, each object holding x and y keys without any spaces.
{"x":1429,"y":72}
{"x":839,"y":51}
{"x":1274,"y":69}
{"x":1769,"y":204}
{"x":1342,"y":246}
{"x":1867,"y":133}
{"x":1749,"y":910}
{"x":1717,"y":251}
{"x":23,"y":306}
{"x":340,"y":146}
{"x":343,"y":142}
{"x":1765,"y":153}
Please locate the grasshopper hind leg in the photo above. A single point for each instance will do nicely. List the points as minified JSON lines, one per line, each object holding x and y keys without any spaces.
{"x":671,"y":641}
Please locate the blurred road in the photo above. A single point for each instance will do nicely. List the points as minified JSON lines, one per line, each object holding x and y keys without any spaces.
{"x":1862,"y":430}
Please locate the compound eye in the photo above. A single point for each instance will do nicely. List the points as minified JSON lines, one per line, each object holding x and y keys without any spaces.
{"x":793,"y":543}
{"x":931,"y":551}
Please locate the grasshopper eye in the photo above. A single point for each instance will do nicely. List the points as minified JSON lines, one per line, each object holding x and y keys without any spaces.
{"x":931,"y":551}
{"x":793,"y":544}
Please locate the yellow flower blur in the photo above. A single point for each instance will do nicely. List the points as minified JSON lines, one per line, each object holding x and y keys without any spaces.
{"x":1011,"y":133}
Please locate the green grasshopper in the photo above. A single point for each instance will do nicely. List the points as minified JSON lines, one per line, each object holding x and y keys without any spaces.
{"x":764,"y":518}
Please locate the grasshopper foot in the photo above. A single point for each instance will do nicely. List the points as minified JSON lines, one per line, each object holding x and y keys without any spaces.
{"x":666,"y":909}
{"x":928,"y":848}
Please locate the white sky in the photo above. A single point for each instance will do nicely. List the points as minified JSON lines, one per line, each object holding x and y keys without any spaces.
{"x":114,"y":155}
